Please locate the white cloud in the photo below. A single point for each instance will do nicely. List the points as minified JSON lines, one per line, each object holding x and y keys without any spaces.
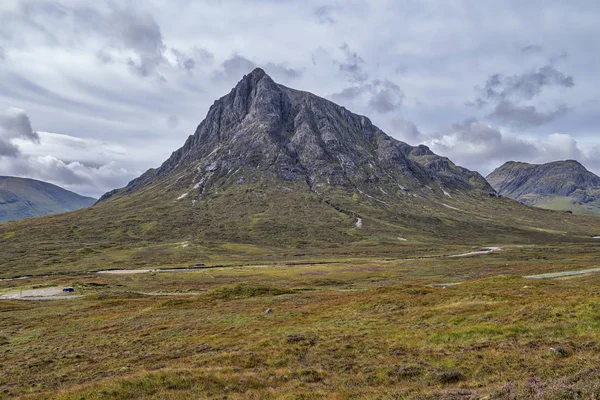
{"x":86,"y":166}
{"x":83,"y":179}
{"x":480,"y":146}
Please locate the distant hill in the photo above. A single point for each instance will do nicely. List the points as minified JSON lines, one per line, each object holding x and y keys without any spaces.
{"x":26,"y":198}
{"x":560,"y":185}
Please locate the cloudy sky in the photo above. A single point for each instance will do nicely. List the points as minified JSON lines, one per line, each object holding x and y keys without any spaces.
{"x":94,"y":93}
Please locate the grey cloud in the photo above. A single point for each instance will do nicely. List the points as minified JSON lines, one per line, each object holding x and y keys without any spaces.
{"x":173,"y":121}
{"x":471,"y":130}
{"x":510,"y":97}
{"x":8,"y":149}
{"x":189,"y":61}
{"x":521,"y":87}
{"x":353,"y":65}
{"x":532,"y":49}
{"x":237,"y":66}
{"x":44,"y":9}
{"x":386,"y":96}
{"x":557,"y":57}
{"x":14,"y":124}
{"x":142,"y":67}
{"x":324,"y":15}
{"x":25,"y":89}
{"x":103,"y":57}
{"x":188,"y":64}
{"x":120,"y":28}
{"x":490,"y":142}
{"x":30,"y":14}
{"x":401,"y":69}
{"x":348,"y":94}
{"x":281,"y":72}
{"x":2,"y":54}
{"x":383,"y":96}
{"x":478,"y":145}
{"x":111,"y":96}
{"x":406,"y":130}
{"x":522,"y":116}
{"x":137,"y":31}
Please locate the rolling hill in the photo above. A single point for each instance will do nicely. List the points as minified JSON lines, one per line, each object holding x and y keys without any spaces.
{"x":27,"y":198}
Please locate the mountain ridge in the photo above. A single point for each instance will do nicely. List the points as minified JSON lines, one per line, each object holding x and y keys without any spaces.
{"x":561,"y":185}
{"x":28,"y":198}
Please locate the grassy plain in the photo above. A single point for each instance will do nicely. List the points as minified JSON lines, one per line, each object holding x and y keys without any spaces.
{"x":569,"y":203}
{"x":375,"y":328}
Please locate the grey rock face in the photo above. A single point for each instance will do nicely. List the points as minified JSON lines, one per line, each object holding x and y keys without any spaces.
{"x":561,"y":178}
{"x":267,"y":131}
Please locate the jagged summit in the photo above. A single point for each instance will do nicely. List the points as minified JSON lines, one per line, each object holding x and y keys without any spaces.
{"x":564,"y":185}
{"x":264,"y":130}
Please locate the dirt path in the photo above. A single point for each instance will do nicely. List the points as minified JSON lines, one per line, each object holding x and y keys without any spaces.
{"x":14,"y":279}
{"x":33,"y":293}
{"x":486,"y":250}
{"x":51,"y":298}
{"x":561,"y":274}
{"x":472,"y":253}
{"x":126,"y":271}
{"x":146,"y":271}
{"x":549,"y":275}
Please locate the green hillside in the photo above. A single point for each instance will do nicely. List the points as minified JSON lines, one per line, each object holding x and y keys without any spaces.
{"x":28,"y":198}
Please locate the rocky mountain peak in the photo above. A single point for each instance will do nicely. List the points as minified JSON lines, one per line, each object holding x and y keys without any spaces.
{"x":268,"y":132}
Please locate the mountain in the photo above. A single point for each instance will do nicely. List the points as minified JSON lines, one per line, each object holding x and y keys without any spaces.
{"x":27,"y":198}
{"x":263,"y":131}
{"x":560,"y":185}
{"x":275,"y":173}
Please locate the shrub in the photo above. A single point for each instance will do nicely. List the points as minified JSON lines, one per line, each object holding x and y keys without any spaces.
{"x":449,"y":376}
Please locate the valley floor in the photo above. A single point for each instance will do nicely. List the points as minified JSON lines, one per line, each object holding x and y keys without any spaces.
{"x":376,"y":329}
